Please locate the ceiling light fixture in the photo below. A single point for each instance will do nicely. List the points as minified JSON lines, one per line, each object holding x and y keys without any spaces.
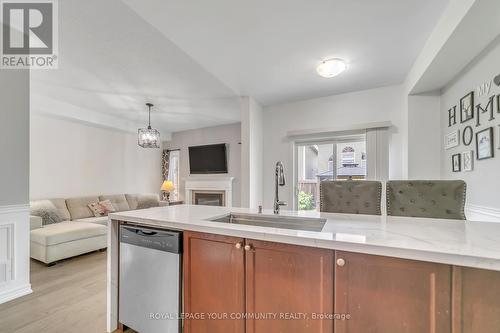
{"x":149,"y":137}
{"x":331,"y":67}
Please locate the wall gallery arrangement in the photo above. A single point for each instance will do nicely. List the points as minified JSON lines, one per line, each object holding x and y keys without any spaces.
{"x":476,"y":122}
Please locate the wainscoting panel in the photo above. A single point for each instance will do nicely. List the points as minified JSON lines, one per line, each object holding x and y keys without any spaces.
{"x":14,"y":252}
{"x":7,"y":268}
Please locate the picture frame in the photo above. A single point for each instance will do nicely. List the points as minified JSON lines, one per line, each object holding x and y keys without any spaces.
{"x":467,"y":160}
{"x":484,"y":144}
{"x":452,"y":140}
{"x":456,"y":163}
{"x":467,"y":107}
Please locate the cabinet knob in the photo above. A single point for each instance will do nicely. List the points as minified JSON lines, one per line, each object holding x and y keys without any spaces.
{"x":237,"y":245}
{"x":340,"y":262}
{"x":248,"y":247}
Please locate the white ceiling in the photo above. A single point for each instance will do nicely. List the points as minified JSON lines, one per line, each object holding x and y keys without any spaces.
{"x":111,"y":62}
{"x":193,"y":59}
{"x":269,"y":49}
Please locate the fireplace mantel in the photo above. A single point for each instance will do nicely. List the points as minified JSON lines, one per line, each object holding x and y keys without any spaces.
{"x":209,"y":183}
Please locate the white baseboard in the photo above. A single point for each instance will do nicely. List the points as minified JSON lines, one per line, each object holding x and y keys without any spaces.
{"x":9,"y":295}
{"x":481,"y":213}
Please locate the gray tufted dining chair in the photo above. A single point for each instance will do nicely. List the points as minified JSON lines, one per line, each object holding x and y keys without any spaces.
{"x":443,"y":199}
{"x":350,"y":197}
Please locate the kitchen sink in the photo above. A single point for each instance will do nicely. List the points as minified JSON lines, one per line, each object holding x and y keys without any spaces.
{"x":271,"y":221}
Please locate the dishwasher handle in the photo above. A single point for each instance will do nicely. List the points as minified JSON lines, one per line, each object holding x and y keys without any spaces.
{"x":145,"y":233}
{"x":163,"y":240}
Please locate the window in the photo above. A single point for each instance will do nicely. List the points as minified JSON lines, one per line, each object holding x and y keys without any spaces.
{"x":173,"y":173}
{"x":339,"y":158}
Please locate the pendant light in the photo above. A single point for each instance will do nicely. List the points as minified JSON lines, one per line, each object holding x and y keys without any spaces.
{"x":149,"y":137}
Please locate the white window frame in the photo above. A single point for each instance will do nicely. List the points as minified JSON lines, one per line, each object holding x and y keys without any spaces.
{"x":357,"y":136}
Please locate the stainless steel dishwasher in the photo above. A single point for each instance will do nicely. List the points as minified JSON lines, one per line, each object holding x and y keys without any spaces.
{"x":149,"y":281}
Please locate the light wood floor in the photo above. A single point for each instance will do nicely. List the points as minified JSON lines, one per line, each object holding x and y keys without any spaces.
{"x":68,"y":297}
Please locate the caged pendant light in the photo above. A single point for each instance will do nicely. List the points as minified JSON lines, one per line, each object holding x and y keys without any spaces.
{"x":149,"y":137}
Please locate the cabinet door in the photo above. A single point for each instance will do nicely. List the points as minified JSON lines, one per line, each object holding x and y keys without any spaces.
{"x":476,"y":300}
{"x":213,"y":283}
{"x":285,"y":280}
{"x":389,"y":295}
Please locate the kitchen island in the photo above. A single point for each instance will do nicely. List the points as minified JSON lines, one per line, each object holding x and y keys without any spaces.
{"x":370,"y":273}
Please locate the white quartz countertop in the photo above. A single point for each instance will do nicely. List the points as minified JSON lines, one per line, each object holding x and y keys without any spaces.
{"x":462,"y":243}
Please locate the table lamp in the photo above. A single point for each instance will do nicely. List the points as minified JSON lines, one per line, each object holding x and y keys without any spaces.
{"x":166,"y":188}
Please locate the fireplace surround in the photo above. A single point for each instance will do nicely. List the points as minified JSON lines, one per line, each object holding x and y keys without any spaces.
{"x":210,"y":190}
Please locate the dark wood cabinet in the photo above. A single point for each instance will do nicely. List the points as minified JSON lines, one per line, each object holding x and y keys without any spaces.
{"x":214,"y":283}
{"x":476,"y":301}
{"x":389,"y":295}
{"x":278,"y":282}
{"x":228,"y":276}
{"x":286,"y":279}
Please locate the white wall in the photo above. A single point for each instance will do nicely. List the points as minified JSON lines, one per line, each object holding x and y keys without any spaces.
{"x":424,"y":149}
{"x":229,"y":134}
{"x":251,"y":153}
{"x":375,"y":105}
{"x":482,"y":183}
{"x":70,"y":159}
{"x":14,"y":179}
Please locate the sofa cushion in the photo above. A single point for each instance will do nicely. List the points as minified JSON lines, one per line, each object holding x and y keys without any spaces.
{"x":118,"y":200}
{"x":66,"y":232}
{"x":60,"y":205}
{"x":103,"y":220}
{"x":78,"y":207}
{"x":46,"y":210}
{"x":142,"y":201}
{"x":61,"y":208}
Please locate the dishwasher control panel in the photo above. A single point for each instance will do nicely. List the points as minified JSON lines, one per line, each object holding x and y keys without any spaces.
{"x":162,"y":240}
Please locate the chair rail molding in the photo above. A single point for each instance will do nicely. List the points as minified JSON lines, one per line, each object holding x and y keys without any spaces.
{"x":14,"y":252}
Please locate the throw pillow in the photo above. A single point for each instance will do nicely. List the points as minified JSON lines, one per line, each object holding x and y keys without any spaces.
{"x":47,"y":211}
{"x":102,"y":208}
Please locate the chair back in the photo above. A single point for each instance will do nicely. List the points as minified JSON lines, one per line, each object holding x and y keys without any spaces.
{"x":351,"y":197}
{"x":443,"y":199}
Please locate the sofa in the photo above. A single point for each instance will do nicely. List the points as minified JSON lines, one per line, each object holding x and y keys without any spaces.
{"x":64,"y":228}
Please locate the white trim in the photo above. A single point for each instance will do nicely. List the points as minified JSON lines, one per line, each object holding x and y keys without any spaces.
{"x":9,"y":295}
{"x":482,"y":213}
{"x":14,"y":209}
{"x":329,"y":130}
{"x":15,"y":218}
{"x":209,"y":184}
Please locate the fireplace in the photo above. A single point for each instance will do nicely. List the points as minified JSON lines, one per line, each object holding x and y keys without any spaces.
{"x":209,"y":190}
{"x":209,"y":198}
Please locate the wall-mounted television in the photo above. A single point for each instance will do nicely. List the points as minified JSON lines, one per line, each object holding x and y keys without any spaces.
{"x":208,"y":159}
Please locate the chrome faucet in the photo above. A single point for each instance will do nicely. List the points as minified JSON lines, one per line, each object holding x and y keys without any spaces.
{"x":279,"y":181}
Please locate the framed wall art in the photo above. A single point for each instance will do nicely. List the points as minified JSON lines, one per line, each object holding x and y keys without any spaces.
{"x":456,"y":163}
{"x":467,"y":107}
{"x":484,"y":144}
{"x":467,"y":160}
{"x":452,"y":139}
